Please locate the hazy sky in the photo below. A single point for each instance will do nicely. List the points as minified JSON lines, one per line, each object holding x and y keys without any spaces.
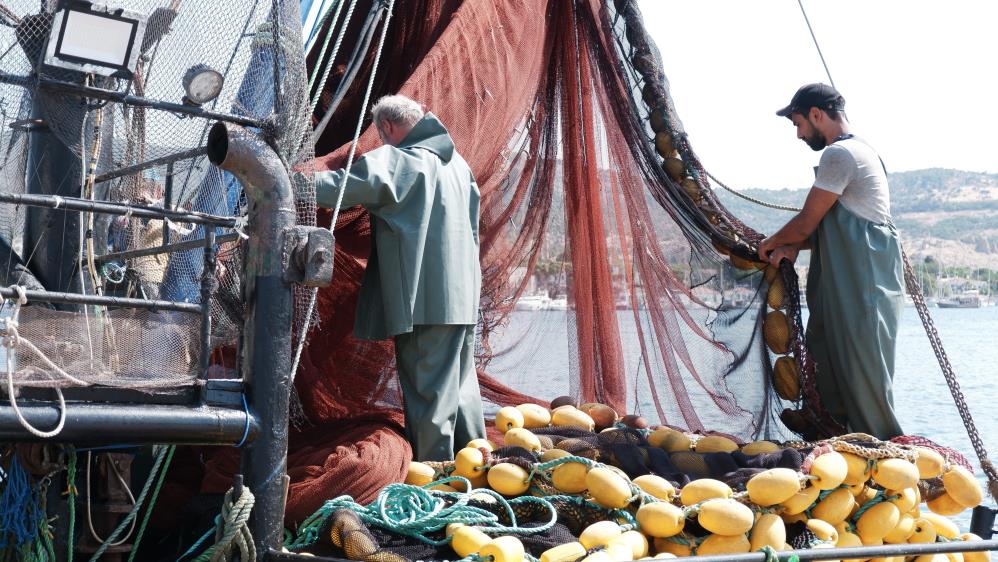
{"x":919,"y":79}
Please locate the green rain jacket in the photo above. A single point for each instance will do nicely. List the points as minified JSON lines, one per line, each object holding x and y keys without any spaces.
{"x":424,"y":206}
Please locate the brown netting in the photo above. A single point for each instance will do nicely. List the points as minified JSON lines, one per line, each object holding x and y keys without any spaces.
{"x":563,"y":113}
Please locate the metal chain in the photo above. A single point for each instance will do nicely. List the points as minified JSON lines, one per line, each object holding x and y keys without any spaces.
{"x":915,"y":290}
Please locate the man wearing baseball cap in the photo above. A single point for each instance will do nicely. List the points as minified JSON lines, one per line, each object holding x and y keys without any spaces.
{"x":855,"y":282}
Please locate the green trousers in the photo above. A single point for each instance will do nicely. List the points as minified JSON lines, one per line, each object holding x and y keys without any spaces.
{"x":443,"y":404}
{"x":855,"y":292}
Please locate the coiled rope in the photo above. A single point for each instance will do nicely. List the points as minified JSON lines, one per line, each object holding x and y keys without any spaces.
{"x":231,"y":531}
{"x":415,"y":512}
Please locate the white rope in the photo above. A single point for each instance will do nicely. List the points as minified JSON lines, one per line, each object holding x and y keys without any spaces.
{"x":753,"y":199}
{"x":10,"y":339}
{"x":336,"y":48}
{"x":339,"y":198}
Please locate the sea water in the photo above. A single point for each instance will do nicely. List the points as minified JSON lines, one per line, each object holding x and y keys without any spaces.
{"x":924,"y":405}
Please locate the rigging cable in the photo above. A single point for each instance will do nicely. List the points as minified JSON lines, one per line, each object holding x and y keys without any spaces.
{"x":339,"y":198}
{"x":915,"y":290}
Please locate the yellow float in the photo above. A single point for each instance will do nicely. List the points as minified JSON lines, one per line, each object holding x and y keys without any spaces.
{"x":773,"y":486}
{"x":608,"y":488}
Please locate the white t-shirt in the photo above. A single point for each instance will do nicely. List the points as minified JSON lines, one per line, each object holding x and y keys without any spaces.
{"x":852,"y":169}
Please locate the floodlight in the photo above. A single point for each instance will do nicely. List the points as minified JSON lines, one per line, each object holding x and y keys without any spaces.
{"x":202,"y":84}
{"x":96,"y":39}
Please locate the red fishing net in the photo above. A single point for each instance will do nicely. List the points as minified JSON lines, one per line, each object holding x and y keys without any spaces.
{"x":563,"y":113}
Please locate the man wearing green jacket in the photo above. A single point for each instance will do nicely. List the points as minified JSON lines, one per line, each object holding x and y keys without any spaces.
{"x":423,"y":278}
{"x":855,"y":281}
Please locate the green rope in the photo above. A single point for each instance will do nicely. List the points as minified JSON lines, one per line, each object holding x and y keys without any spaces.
{"x":879,"y":497}
{"x":71,"y":492}
{"x":770,"y":553}
{"x":160,"y":456}
{"x":152,"y":503}
{"x":415,"y":512}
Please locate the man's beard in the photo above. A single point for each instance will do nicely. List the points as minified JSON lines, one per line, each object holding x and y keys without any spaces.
{"x":816,"y":141}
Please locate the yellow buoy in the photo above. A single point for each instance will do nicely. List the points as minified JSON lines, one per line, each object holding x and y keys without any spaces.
{"x":552,"y":454}
{"x":895,"y":474}
{"x":534,"y":415}
{"x":760,"y":447}
{"x":905,"y":499}
{"x":773,"y":486}
{"x":722,"y":544}
{"x":769,"y":530}
{"x":746,"y":264}
{"x":979,"y":556}
{"x":877,"y":521}
{"x":801,"y":500}
{"x":791,"y":518}
{"x":635,"y":542}
{"x":771,"y":273}
{"x":570,"y":477}
{"x":663,"y":144}
{"x":469,"y":463}
{"x":676,"y":442}
{"x":444,"y":488}
{"x":703,"y":489}
{"x":944,"y":527}
{"x":857,"y":469}
{"x":599,"y":556}
{"x":725,"y":516}
{"x":904,"y":529}
{"x":692,"y":188}
{"x":715,"y":444}
{"x":776,"y":331}
{"x":931,"y":558}
{"x":660,"y":519}
{"x":670,"y":546}
{"x":675,"y":168}
{"x":568,"y":552}
{"x":962,"y":486}
{"x":508,"y":479}
{"x":521,"y":437}
{"x":468,"y":540}
{"x":656,"y":486}
{"x":618,"y":550}
{"x":572,"y":417}
{"x":786,"y":380}
{"x":835,"y":507}
{"x":508,"y":418}
{"x":658,"y":437}
{"x":929,"y":463}
{"x":848,"y":540}
{"x":659,"y":122}
{"x":830,"y":470}
{"x":599,"y":533}
{"x":945,"y":505}
{"x":776,"y":297}
{"x":925,"y":532}
{"x":823,"y":530}
{"x":503,"y":549}
{"x":482,"y":444}
{"x":608,"y":488}
{"x":419,"y":474}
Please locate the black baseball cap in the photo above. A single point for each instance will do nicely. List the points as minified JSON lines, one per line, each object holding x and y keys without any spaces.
{"x":814,"y":95}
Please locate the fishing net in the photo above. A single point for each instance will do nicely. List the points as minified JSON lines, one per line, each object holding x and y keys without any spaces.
{"x":55,"y":142}
{"x":591,"y":196}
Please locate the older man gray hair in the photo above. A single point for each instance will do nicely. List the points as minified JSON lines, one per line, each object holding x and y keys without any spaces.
{"x":423,"y":277}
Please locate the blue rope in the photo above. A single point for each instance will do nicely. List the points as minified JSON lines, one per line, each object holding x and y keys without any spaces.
{"x":19,"y":509}
{"x":246,"y":428}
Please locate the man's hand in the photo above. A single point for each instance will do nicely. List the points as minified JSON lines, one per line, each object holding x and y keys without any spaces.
{"x":783,"y":252}
{"x":765,"y":247}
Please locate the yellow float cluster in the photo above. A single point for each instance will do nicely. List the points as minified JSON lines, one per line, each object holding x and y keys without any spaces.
{"x":844,"y":498}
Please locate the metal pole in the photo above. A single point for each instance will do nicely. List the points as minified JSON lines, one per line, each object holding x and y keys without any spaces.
{"x":208,"y":286}
{"x":133,"y":423}
{"x":137,"y":211}
{"x":78,"y":298}
{"x":155,"y":250}
{"x":141,"y":166}
{"x":266,"y":349}
{"x":167,"y":200}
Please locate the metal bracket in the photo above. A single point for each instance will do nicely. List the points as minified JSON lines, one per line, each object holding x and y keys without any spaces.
{"x":308,"y":256}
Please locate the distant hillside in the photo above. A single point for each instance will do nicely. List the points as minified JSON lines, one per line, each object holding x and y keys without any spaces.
{"x":951,"y":215}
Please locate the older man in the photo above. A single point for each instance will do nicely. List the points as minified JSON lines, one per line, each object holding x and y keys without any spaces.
{"x":423,"y":278}
{"x":855,"y":281}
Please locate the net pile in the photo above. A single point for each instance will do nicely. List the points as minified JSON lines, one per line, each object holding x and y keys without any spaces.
{"x":660,"y":491}
{"x":591,"y":196}
{"x":256,"y":46}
